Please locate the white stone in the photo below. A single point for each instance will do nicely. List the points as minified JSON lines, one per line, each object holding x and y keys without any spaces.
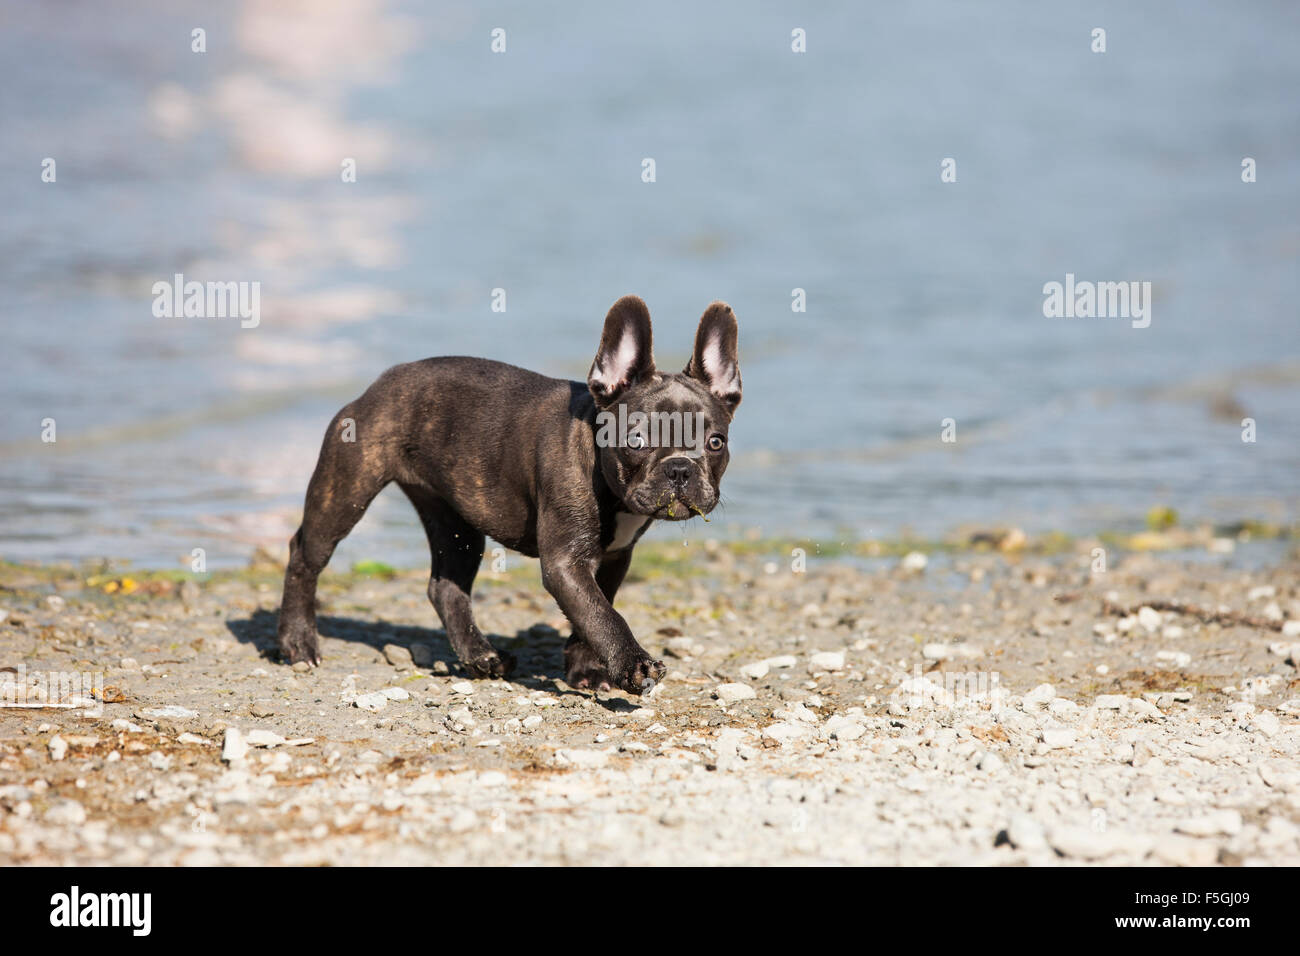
{"x":826,"y":661}
{"x":586,"y":759}
{"x":263,"y":738}
{"x":373,"y":702}
{"x":730,"y":693}
{"x":843,"y":728}
{"x":66,"y":813}
{"x":234,"y":748}
{"x":172,"y":713}
{"x":1266,"y":723}
{"x":1226,"y":822}
{"x":1026,"y":833}
{"x":1185,"y":851}
{"x":914,"y":561}
{"x":1058,"y":737}
{"x":783,"y":732}
{"x":1085,"y":843}
{"x":756,"y":671}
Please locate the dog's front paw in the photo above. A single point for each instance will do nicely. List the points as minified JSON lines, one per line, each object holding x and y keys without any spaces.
{"x":641,"y":675}
{"x":300,"y":644}
{"x":492,"y":664}
{"x":583,"y":668}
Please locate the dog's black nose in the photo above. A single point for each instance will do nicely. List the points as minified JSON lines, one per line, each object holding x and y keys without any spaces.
{"x":677,"y":470}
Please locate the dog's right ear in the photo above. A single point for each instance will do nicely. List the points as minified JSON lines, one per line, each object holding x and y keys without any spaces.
{"x":625,"y":356}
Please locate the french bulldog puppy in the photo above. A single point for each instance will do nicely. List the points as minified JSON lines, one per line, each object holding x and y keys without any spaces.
{"x":569,"y":472}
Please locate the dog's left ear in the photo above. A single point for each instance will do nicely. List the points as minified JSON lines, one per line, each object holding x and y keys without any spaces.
{"x":716,"y":361}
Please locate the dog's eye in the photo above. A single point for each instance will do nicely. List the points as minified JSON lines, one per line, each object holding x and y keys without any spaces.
{"x":716,"y":442}
{"x":636,"y":440}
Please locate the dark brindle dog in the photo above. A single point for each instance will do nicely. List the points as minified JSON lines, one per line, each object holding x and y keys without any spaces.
{"x":482,"y":448}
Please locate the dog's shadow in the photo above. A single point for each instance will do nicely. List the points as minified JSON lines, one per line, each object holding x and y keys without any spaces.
{"x":540,"y":663}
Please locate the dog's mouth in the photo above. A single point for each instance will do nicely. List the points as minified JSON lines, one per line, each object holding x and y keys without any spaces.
{"x":676,"y":506}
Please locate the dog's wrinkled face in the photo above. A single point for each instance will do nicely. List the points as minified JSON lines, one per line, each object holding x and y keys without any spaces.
{"x":662,"y":438}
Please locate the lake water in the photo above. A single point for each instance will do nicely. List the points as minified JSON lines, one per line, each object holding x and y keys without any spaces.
{"x":775,"y":171}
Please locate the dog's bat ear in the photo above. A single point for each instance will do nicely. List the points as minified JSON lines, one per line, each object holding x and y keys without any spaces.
{"x":625,"y":356}
{"x":716,"y":359}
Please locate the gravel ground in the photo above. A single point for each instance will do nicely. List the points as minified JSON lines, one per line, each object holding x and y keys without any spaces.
{"x":985,"y":709}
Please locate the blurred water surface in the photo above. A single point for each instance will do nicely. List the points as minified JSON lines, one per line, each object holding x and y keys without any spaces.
{"x":775,"y":171}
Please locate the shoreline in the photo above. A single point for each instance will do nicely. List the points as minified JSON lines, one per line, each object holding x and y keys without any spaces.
{"x":979,"y":707}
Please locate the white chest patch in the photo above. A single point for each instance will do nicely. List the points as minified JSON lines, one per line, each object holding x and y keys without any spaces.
{"x":625,"y":528}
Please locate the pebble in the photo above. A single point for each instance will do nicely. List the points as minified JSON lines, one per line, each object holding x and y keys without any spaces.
{"x":65,"y":813}
{"x":234,"y":748}
{"x":373,"y":702}
{"x":262,"y":708}
{"x":462,"y":687}
{"x":914,"y":562}
{"x":422,"y":655}
{"x":532,"y":721}
{"x":58,"y":747}
{"x":1085,"y":843}
{"x":1025,"y":833}
{"x":756,"y":671}
{"x":399,"y":656}
{"x":1039,"y":697}
{"x":784,"y":732}
{"x":585,"y":759}
{"x":1185,"y":851}
{"x":1057,"y":737}
{"x":169,"y":713}
{"x":1149,"y":619}
{"x":948,"y":652}
{"x":1288,"y":651}
{"x":843,"y":728}
{"x":1266,"y":723}
{"x":263,"y":738}
{"x":991,"y":762}
{"x":1226,"y":822}
{"x":826,"y":661}
{"x":730,"y":693}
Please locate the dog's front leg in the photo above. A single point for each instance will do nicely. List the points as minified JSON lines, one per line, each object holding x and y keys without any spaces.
{"x":571,"y":581}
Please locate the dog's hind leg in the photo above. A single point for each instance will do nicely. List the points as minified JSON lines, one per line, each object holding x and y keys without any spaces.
{"x":348,"y":475}
{"x":455,"y":552}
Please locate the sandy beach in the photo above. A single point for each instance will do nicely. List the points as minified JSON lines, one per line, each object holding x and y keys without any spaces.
{"x":966,"y":706}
